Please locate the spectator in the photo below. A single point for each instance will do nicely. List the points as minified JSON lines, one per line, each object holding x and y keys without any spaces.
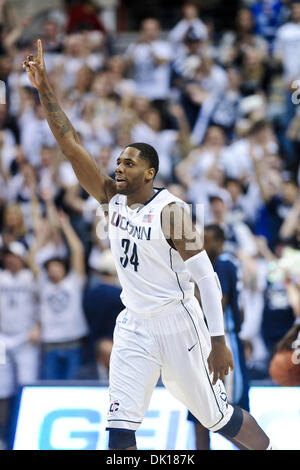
{"x":258,"y":143}
{"x":77,"y":52}
{"x":150,"y":58}
{"x":190,"y":21}
{"x":255,"y":70}
{"x":287,"y":43}
{"x":233,"y":43}
{"x":34,"y":133}
{"x":52,"y":36}
{"x":268,"y":16}
{"x":83,"y":16}
{"x":202,"y":92}
{"x":278,"y":201}
{"x":278,"y":313}
{"x":152,"y":132}
{"x":201,"y":171}
{"x":18,"y":321}
{"x":239,"y":239}
{"x":186,"y":60}
{"x":62,"y":322}
{"x":121,"y":85}
{"x":227,"y":110}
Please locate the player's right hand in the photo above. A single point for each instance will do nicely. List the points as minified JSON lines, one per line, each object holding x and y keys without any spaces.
{"x":35,"y":67}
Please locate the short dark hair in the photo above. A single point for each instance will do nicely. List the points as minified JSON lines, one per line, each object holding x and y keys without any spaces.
{"x":217,"y":231}
{"x":57,"y":259}
{"x":148,"y":152}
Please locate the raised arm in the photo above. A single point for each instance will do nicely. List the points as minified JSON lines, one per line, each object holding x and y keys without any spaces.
{"x":96,"y":183}
{"x":74,"y":243}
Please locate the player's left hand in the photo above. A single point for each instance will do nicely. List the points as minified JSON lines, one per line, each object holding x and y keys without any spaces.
{"x":220,"y":359}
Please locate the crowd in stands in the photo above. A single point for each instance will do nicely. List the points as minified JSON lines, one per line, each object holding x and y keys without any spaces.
{"x":221,"y":109}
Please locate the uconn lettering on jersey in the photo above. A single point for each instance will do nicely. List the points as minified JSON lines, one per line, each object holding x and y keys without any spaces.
{"x":139,"y":232}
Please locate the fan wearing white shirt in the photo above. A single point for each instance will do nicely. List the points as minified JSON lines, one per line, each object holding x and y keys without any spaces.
{"x":150,"y":58}
{"x":62,"y":322}
{"x":189,"y":20}
{"x":18,"y":317}
{"x":287,"y":44}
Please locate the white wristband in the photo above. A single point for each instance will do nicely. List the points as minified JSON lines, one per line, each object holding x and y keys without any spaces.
{"x":202,"y":272}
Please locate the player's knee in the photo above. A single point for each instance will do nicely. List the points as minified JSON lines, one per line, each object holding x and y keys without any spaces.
{"x":233,"y":426}
{"x":121,"y":438}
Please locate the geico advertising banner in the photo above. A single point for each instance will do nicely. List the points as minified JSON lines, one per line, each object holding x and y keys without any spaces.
{"x":74,"y":417}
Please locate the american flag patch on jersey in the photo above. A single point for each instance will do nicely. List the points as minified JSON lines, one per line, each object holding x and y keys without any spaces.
{"x":147,"y":218}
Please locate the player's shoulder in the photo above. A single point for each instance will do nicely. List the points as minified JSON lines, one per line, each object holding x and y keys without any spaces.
{"x":168,"y":199}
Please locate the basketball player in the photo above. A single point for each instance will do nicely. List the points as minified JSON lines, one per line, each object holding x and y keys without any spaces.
{"x":162,"y":329}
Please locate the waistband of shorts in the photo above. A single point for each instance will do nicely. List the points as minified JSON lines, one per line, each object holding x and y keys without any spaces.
{"x":163,"y":310}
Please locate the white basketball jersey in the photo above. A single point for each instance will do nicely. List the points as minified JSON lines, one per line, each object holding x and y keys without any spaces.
{"x":151,"y":273}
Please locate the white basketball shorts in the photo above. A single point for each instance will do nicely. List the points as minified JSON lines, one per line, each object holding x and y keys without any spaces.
{"x":176,"y":344}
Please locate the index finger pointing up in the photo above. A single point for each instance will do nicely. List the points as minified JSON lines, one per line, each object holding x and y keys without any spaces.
{"x":40,"y":50}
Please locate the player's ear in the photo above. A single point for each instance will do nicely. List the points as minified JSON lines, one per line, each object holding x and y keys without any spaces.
{"x":149,"y":174}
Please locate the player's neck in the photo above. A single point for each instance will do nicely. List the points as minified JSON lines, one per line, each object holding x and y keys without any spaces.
{"x":140,"y":197}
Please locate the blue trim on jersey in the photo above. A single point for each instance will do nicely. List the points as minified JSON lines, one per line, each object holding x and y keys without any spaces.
{"x":126,"y":420}
{"x":143,"y":205}
{"x":159,"y":190}
{"x":171,"y":264}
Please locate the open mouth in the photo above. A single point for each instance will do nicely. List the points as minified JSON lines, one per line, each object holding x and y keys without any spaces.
{"x":120,"y":180}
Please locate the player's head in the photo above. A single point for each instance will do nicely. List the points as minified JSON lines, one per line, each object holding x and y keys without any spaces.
{"x":136,"y":167}
{"x":214,"y":238}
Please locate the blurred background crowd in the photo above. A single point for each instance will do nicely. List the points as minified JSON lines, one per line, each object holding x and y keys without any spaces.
{"x":214,"y":87}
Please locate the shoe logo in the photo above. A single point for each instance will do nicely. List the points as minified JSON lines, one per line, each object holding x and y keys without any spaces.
{"x":189,"y":349}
